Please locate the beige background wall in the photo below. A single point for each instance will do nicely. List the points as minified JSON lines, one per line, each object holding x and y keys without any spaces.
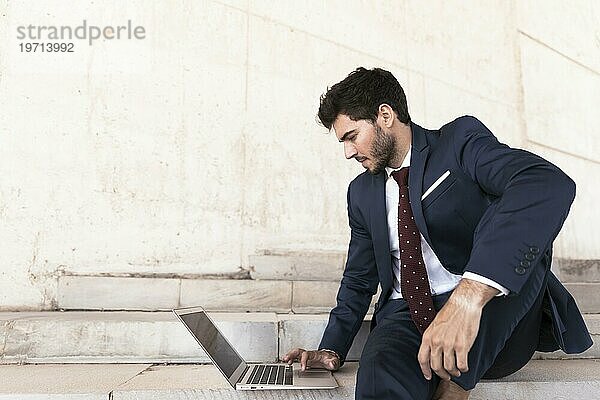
{"x":190,"y":150}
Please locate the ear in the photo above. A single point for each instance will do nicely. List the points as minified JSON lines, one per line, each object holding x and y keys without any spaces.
{"x":386,"y":115}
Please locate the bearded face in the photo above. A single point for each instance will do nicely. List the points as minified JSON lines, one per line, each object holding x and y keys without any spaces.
{"x":382,"y":150}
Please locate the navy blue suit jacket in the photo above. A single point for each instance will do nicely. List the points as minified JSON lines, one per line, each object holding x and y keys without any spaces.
{"x":496,"y":215}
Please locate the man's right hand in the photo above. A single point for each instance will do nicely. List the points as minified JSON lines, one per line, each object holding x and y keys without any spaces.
{"x":313,"y":358}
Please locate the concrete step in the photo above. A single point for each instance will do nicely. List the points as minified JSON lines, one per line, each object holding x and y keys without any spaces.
{"x":309,"y":265}
{"x":135,"y":293}
{"x":230,"y":295}
{"x":587,"y":295}
{"x":63,"y":381}
{"x":576,"y":270}
{"x":293,"y":265}
{"x":155,"y":337}
{"x":556,"y":379}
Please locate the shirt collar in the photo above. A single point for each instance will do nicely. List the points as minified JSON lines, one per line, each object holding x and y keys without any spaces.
{"x":405,"y":163}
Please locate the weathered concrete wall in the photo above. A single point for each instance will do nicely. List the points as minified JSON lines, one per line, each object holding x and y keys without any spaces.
{"x":560,"y":73}
{"x":197,"y":147}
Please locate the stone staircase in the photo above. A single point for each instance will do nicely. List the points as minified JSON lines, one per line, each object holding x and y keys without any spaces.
{"x":120,"y":326}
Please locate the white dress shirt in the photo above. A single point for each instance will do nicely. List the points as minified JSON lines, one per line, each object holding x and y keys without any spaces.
{"x":440,"y":279}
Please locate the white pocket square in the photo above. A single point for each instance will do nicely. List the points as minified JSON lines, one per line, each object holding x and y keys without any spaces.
{"x":436,"y":184}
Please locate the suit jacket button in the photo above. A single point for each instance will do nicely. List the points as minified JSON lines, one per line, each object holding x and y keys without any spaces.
{"x":534,"y":250}
{"x":529,"y":256}
{"x":525,"y":264}
{"x":520,"y":270}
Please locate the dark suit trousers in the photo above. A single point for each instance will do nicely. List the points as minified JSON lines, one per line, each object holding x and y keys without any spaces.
{"x":507,"y":338}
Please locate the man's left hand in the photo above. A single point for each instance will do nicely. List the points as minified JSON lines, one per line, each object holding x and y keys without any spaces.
{"x":447,"y":341}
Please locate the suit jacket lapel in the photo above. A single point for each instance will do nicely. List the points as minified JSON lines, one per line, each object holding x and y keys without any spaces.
{"x":379,"y":230}
{"x":420,"y":151}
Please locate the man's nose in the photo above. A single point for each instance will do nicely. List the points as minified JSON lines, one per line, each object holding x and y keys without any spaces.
{"x":349,"y":150}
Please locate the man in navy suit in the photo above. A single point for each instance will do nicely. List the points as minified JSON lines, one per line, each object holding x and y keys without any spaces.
{"x":457,"y":229}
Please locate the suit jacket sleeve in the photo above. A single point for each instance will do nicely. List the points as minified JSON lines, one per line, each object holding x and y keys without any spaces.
{"x":358,"y":285}
{"x":532,"y":200}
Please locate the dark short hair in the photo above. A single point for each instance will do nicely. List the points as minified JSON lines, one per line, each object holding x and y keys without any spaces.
{"x":359,"y":96}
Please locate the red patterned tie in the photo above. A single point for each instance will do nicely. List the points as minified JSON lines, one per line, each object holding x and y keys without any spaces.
{"x":413,"y":275}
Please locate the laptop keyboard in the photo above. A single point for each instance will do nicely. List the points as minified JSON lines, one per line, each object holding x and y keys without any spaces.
{"x":271,"y":375}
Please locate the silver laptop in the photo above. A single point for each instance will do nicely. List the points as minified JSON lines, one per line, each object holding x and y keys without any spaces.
{"x":239,"y":374}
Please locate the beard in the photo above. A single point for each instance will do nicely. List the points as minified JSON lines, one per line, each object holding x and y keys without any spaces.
{"x":383,"y":150}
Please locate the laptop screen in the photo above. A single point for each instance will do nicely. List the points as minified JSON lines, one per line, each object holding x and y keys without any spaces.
{"x":213,"y":342}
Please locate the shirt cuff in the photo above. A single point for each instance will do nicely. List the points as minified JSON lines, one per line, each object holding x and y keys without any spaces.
{"x":331,"y":351}
{"x":482,"y":279}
